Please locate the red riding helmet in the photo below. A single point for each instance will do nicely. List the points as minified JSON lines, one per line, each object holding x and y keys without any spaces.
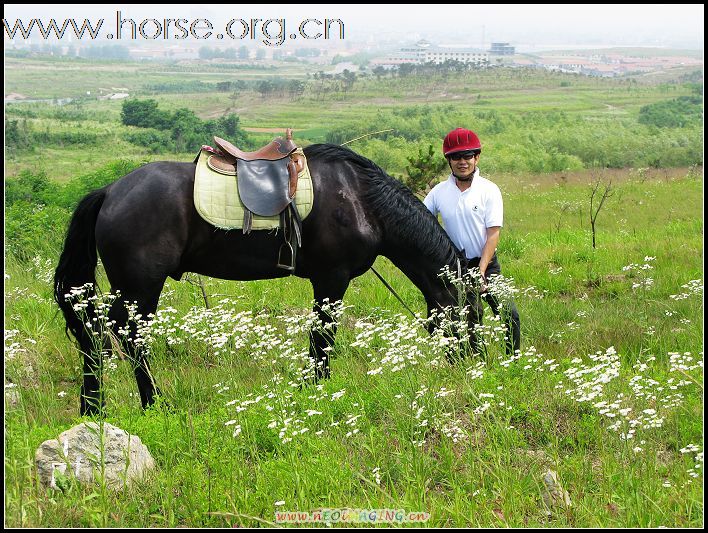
{"x":460,"y":140}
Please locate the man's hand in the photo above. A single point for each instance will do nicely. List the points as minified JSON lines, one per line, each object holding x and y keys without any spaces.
{"x":483,"y":284}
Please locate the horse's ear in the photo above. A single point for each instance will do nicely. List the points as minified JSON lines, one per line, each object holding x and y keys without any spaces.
{"x":289,"y":134}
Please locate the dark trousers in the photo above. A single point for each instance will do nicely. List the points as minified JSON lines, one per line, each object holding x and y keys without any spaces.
{"x":509,"y":313}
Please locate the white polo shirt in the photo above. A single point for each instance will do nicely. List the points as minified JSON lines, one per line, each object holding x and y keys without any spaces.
{"x":467,"y":215}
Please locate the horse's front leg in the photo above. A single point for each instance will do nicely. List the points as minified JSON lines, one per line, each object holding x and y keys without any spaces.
{"x":475,"y":314}
{"x":327,"y":291}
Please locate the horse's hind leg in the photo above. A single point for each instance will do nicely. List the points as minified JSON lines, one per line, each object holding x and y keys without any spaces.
{"x":327,"y":291}
{"x":90,"y":334}
{"x":92,"y":399}
{"x":126,"y":328}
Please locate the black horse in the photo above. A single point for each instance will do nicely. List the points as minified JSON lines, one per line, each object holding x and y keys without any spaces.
{"x":145,"y":228}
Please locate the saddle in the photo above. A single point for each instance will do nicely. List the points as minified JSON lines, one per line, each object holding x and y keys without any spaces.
{"x":267,"y":183}
{"x":267,"y":178}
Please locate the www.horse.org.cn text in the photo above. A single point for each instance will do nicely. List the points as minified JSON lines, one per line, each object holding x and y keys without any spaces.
{"x":271,"y":31}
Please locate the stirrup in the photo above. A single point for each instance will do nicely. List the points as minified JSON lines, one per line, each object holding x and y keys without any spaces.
{"x":280,"y":264}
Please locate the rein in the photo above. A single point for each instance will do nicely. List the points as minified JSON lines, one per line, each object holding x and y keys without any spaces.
{"x":391,"y":289}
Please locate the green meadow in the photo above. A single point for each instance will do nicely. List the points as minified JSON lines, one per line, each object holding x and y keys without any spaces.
{"x":606,"y":391}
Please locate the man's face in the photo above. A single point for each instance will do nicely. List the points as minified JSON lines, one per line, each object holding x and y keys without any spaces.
{"x":463,"y":164}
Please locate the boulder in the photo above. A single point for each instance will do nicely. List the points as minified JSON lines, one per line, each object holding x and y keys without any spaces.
{"x":554,"y":495}
{"x":76,"y":454}
{"x":12,"y":397}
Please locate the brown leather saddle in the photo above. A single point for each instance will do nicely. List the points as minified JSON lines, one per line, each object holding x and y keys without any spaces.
{"x":267,"y":178}
{"x":267,"y":182}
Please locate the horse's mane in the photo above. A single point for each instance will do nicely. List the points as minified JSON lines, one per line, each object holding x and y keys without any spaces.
{"x":406,"y":218}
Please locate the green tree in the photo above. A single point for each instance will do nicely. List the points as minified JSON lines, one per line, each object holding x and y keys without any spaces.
{"x":265,"y":87}
{"x":406,"y":69}
{"x":187,"y":130}
{"x":675,"y":113}
{"x":379,"y":72}
{"x":423,"y":169}
{"x":143,"y":114}
{"x":228,"y":126}
{"x":348,"y":79}
{"x":296,"y":88}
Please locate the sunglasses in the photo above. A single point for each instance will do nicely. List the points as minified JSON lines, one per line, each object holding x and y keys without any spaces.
{"x":462,"y":155}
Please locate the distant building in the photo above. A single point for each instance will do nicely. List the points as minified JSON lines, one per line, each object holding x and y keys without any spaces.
{"x":425,"y":52}
{"x":172,"y":52}
{"x":502,"y":49}
{"x":114,"y":96}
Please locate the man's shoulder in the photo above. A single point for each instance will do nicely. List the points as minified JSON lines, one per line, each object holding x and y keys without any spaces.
{"x":442,"y":186}
{"x":488,"y":184}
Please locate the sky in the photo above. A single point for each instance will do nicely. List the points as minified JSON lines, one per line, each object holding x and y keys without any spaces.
{"x":523,"y":25}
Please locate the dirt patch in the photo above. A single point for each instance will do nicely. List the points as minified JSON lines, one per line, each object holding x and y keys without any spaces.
{"x":619,"y":175}
{"x":269,"y":130}
{"x":615,"y":277}
{"x":588,"y":176}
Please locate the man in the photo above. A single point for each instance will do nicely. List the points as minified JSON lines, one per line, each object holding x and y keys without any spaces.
{"x":472,"y":213}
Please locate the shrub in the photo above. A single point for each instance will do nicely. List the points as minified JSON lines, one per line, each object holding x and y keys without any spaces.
{"x":34,"y":229}
{"x":183,"y":129}
{"x":675,"y":113}
{"x":30,"y":188}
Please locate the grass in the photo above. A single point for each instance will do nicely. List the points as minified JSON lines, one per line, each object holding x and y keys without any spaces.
{"x":467,"y":443}
{"x":488,"y":436}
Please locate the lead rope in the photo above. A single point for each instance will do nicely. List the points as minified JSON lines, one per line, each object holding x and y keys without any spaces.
{"x":459,"y":276}
{"x":393,"y":292}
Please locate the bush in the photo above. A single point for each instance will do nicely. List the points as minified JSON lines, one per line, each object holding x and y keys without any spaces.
{"x":70,"y":194}
{"x":143,"y":114}
{"x":675,"y":113}
{"x":183,"y":130}
{"x":20,"y":135}
{"x":34,"y":229}
{"x":30,"y":188}
{"x":154,"y":140}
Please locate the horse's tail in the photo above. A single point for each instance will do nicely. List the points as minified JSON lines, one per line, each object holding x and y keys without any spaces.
{"x":77,"y":263}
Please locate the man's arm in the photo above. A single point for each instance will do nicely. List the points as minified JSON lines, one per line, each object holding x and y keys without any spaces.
{"x":488,"y":252}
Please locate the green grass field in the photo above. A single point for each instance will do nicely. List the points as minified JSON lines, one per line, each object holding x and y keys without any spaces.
{"x":607,"y":391}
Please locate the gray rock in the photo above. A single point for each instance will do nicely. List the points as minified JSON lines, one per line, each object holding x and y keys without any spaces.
{"x":76,"y":454}
{"x":554,"y":495}
{"x":12,"y":397}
